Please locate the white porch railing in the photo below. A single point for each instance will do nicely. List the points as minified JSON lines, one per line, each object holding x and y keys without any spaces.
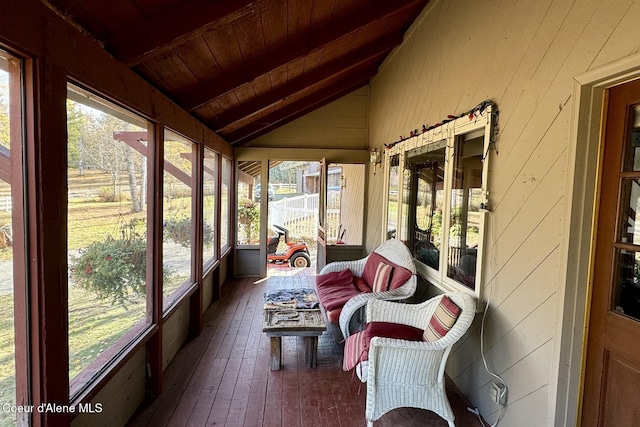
{"x":299,"y":215}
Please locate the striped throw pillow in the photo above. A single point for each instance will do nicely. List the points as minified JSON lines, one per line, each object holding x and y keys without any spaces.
{"x":382,"y":278}
{"x":355,"y":351}
{"x":442,"y":320}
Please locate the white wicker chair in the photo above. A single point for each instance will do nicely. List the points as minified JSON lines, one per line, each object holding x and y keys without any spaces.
{"x":393,"y":250}
{"x":403,"y":373}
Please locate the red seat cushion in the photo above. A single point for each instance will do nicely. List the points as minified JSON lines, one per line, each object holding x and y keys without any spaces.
{"x":336,"y":298}
{"x":333,"y":315}
{"x":356,"y":348}
{"x":392,"y":330}
{"x":335,"y":278}
{"x":335,"y":289}
{"x":399,"y":274}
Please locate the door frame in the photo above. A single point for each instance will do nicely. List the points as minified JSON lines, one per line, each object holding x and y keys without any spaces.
{"x":577,"y":246}
{"x":264,"y":155}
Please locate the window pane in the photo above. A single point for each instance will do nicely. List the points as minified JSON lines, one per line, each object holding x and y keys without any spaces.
{"x":392,"y":207}
{"x":210,"y":190}
{"x":627,"y":284}
{"x":406,"y":200}
{"x":248,"y":193}
{"x":9,"y":196}
{"x":632,"y":149}
{"x":224,"y":203}
{"x":466,"y":197}
{"x":626,"y":298}
{"x":107,"y":243}
{"x":630,"y":221}
{"x":429,"y":206}
{"x":177,"y":213}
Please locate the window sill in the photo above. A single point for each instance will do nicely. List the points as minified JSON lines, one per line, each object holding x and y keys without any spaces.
{"x":88,"y":383}
{"x":433,"y":278}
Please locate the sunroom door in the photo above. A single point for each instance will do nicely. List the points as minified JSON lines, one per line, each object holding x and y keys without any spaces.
{"x":612,"y":378}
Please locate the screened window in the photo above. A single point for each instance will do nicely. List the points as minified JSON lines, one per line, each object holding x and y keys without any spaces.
{"x":248,"y":192}
{"x":177,"y":211}
{"x":210,"y":192}
{"x":107,"y":151}
{"x":12,"y":287}
{"x":225,"y":206}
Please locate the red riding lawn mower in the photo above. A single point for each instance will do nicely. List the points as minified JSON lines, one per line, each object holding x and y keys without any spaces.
{"x":296,"y":254}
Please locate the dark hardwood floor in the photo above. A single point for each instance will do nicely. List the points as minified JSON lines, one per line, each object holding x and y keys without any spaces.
{"x":222,"y":377}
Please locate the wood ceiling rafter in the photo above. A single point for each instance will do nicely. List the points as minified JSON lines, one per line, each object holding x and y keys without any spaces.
{"x":141,"y":42}
{"x":374,"y":51}
{"x":247,"y":67}
{"x":301,"y":107}
{"x":206,"y":92}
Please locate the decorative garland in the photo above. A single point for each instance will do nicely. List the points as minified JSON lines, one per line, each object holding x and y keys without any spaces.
{"x":473,"y":114}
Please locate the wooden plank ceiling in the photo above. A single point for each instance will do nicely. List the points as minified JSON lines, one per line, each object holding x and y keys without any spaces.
{"x":244,"y":67}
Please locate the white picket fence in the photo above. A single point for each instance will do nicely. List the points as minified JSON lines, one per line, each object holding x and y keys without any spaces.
{"x":299,"y":215}
{"x":5,"y":204}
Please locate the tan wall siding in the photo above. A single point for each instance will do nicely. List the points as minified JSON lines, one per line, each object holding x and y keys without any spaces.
{"x":524,"y":56}
{"x":207,"y":290}
{"x":174,"y":333}
{"x":340,"y":124}
{"x":120,"y":397}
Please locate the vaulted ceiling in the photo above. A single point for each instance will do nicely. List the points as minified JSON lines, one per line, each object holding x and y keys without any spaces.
{"x":244,"y":67}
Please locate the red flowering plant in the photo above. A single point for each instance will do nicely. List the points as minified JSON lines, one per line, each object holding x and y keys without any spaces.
{"x":114,"y":268}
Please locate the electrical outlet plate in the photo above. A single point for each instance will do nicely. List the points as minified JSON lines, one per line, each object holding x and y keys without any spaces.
{"x":498,"y":393}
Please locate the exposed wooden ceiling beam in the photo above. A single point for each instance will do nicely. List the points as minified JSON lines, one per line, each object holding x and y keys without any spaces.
{"x":170,"y":28}
{"x":300,"y":107}
{"x":206,"y":91}
{"x":372,"y":52}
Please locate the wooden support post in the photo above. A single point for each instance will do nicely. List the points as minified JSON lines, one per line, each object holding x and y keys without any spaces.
{"x":154,"y":260}
{"x":311,"y":351}
{"x":47,"y":154}
{"x":276,"y":353}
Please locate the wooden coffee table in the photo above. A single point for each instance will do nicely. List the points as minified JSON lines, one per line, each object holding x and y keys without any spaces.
{"x":307,"y":323}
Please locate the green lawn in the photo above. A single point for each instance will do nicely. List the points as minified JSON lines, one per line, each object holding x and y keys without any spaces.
{"x":94,"y":325}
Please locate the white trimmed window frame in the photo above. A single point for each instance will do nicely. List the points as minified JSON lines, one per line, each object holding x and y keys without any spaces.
{"x":453,"y":132}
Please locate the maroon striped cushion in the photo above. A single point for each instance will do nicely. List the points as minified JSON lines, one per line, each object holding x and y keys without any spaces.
{"x":382,"y":277}
{"x":442,"y":320}
{"x":354,"y":351}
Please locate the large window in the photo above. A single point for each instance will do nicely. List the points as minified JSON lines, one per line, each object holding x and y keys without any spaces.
{"x":464,"y":212}
{"x":12,"y":287}
{"x":210,"y":194}
{"x":225,"y":213}
{"x":248,"y":192}
{"x":444,"y":198}
{"x":178,"y":228}
{"x":427,"y":167}
{"x":107,"y":174}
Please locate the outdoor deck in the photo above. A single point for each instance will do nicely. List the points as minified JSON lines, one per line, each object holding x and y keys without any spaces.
{"x":223,"y":378}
